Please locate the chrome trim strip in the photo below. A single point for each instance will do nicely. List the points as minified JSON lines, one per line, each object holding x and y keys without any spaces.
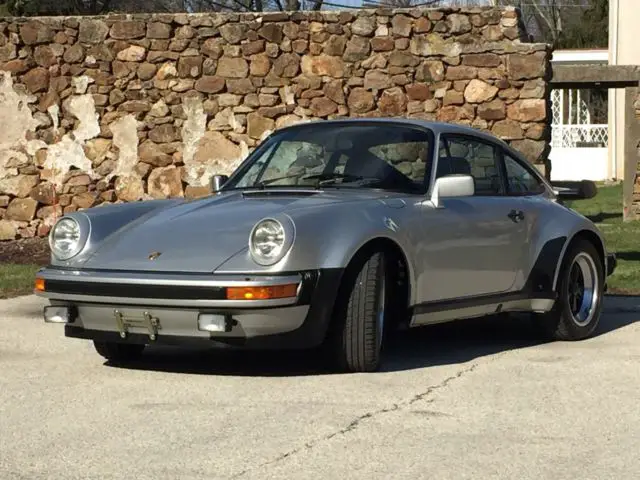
{"x":257,"y":191}
{"x":538,"y":305}
{"x":195,"y":304}
{"x":144,"y":278}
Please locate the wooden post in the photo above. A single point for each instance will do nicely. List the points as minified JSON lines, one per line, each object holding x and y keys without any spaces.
{"x":631,"y":144}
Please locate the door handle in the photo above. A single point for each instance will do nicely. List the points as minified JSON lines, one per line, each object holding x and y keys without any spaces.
{"x":516,"y":215}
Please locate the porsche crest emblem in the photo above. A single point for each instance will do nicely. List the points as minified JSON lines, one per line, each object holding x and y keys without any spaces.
{"x":154,"y":255}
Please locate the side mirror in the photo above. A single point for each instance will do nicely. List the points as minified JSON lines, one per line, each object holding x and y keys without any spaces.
{"x":452,"y":186}
{"x":575,"y":190}
{"x":217,"y":181}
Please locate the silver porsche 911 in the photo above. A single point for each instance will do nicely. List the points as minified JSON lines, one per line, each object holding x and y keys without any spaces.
{"x":329,"y":235}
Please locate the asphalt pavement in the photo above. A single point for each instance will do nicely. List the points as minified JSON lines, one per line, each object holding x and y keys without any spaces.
{"x":476,"y":399}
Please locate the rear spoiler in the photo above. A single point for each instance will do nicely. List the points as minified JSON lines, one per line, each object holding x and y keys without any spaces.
{"x":575,"y":190}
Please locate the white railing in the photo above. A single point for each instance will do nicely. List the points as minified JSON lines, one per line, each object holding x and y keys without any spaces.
{"x":580,"y":136}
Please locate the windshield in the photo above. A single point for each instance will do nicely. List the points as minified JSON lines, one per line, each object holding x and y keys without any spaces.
{"x":358,"y":155}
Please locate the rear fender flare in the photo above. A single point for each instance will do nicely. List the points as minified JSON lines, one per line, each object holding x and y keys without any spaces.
{"x":590,"y":235}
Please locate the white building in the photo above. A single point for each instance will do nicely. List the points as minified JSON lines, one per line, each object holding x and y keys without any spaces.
{"x":586,"y":144}
{"x":580,"y":124}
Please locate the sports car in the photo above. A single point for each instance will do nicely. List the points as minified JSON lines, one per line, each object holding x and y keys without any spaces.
{"x":330,"y":235}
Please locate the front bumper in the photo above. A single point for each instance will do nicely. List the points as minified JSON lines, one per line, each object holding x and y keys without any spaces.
{"x":149,"y":308}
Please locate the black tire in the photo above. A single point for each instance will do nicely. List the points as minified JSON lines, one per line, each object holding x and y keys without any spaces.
{"x":560,"y":323}
{"x":356,"y":343}
{"x":119,"y":352}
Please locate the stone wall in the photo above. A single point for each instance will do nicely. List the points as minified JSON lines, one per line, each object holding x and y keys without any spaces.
{"x":122,"y":108}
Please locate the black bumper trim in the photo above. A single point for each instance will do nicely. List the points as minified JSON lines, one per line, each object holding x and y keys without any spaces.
{"x":164,"y":292}
{"x":128,"y":290}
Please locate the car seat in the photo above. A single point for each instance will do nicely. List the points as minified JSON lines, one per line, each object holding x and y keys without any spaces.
{"x":452,"y":166}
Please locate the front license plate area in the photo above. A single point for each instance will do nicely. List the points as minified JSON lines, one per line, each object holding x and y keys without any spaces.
{"x":142,"y":320}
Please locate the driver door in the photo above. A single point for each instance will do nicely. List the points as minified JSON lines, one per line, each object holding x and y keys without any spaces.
{"x":474,"y":245}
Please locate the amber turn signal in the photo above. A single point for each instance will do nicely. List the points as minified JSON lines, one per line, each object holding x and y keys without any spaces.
{"x":262,"y":293}
{"x":39,"y":284}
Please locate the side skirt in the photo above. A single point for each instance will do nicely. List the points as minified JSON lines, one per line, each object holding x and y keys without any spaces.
{"x":439,"y":312}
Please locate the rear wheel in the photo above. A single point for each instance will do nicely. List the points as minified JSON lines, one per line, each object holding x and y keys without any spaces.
{"x":118,"y":352}
{"x":357,"y":341}
{"x":577,"y":311}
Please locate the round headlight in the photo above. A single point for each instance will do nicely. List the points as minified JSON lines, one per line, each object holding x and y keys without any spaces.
{"x":65,"y":238}
{"x":267,"y":241}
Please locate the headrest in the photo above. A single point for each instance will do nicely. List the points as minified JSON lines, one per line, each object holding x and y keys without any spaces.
{"x":307,"y":159}
{"x":453,"y":165}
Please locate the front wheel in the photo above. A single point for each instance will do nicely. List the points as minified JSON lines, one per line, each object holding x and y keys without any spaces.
{"x":118,"y":352}
{"x":357,"y":342}
{"x":576,"y":314}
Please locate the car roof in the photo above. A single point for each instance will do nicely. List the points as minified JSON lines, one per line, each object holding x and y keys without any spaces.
{"x":436,"y":127}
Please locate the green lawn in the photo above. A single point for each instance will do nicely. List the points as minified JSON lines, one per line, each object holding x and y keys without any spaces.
{"x":16,"y":280}
{"x":605,"y":209}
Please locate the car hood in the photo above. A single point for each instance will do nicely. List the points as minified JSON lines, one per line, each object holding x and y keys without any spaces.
{"x":199,"y":235}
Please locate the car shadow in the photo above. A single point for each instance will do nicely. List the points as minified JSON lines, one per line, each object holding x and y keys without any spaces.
{"x":632,"y":256}
{"x":602,"y":216}
{"x":441,"y":344}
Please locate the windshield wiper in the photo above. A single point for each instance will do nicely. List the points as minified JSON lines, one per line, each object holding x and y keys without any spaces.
{"x":324,"y":178}
{"x":330,"y":179}
{"x":262,"y":183}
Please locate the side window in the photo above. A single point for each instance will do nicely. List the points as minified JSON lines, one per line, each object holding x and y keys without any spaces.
{"x":472,"y":157}
{"x":520,"y":181}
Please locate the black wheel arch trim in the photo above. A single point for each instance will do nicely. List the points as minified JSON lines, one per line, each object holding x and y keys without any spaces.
{"x":543,"y":273}
{"x":589,"y":235}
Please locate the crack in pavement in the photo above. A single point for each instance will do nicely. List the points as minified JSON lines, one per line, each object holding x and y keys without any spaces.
{"x":356,"y":423}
